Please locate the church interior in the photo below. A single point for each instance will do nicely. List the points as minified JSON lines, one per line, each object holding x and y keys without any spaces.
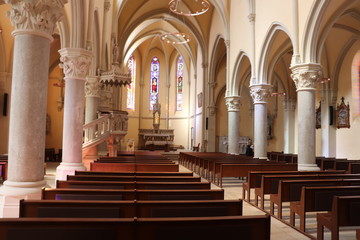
{"x":221,"y":89}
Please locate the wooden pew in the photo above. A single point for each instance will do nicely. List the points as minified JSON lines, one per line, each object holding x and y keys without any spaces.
{"x":270,"y":183}
{"x":201,"y":194}
{"x":135,"y":178}
{"x":77,"y":209}
{"x":254,"y":178}
{"x":316,"y":199}
{"x":117,"y":195}
{"x":152,"y":209}
{"x":290,"y":190}
{"x":118,"y":167}
{"x":210,"y":228}
{"x":241,"y":170}
{"x":135,"y":173}
{"x":129,"y":209}
{"x":344,"y":212}
{"x":67,"y":228}
{"x":131,"y":185}
{"x":87,"y":194}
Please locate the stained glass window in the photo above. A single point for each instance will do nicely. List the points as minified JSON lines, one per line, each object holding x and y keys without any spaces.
{"x":179,"y":83}
{"x":154,"y":80}
{"x":130,"y":101}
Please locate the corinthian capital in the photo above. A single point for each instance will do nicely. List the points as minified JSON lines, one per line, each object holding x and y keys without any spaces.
{"x":233,"y":103}
{"x":36,"y":15}
{"x":93,"y":87}
{"x":260,"y":93}
{"x":75,"y":62}
{"x":306,"y":76}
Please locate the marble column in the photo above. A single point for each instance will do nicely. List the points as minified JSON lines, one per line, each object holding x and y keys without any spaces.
{"x":328,"y":132}
{"x":260,"y":94}
{"x":211,"y":129}
{"x":92,"y":96}
{"x":289,"y":125}
{"x":305,"y":77}
{"x":34,"y":23}
{"x":75,"y":64}
{"x":233,"y":106}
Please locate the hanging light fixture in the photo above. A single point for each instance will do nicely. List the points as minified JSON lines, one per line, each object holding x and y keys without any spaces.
{"x":278,"y":94}
{"x":181,"y":7}
{"x":175,"y":38}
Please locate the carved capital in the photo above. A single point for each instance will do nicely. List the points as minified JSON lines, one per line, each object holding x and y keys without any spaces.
{"x":212,"y":84}
{"x":212,"y":110}
{"x":233,"y":103}
{"x":36,"y":15}
{"x":92,"y":87}
{"x":227,"y":43}
{"x":306,"y":76}
{"x":260,"y":93}
{"x":107,"y":6}
{"x":251,"y":17}
{"x":75,"y":62}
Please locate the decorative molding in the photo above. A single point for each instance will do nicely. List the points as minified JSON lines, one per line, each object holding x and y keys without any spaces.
{"x":306,"y":76}
{"x":212,"y":110}
{"x":260,"y":93}
{"x":204,"y":65}
{"x":92,"y":87}
{"x":107,"y":6}
{"x":251,"y":17}
{"x":212,"y":84}
{"x":75,"y":62}
{"x":233,"y":103}
{"x":36,"y":15}
{"x":227,"y":44}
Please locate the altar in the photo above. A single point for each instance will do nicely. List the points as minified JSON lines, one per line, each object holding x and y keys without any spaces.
{"x":154,"y":139}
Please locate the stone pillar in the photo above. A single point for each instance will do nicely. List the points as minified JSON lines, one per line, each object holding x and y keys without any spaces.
{"x":75,"y":63}
{"x":211,"y":130}
{"x":260,"y":94}
{"x":34,"y":23}
{"x":233,"y":107}
{"x":289,"y":125}
{"x":92,"y":96}
{"x":328,"y":132}
{"x":305,"y":77}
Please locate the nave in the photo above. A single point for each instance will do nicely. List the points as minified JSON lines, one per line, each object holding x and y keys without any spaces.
{"x":233,"y":191}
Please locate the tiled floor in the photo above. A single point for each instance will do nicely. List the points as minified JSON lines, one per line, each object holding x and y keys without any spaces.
{"x":233,"y":190}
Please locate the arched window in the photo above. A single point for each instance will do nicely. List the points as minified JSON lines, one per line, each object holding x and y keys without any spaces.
{"x":154,"y":80}
{"x":179,"y":83}
{"x":130,"y":101}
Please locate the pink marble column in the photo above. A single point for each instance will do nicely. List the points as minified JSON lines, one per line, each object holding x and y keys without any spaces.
{"x":305,"y":77}
{"x":233,"y":107}
{"x":75,"y":63}
{"x":34,"y":23}
{"x":260,"y":94}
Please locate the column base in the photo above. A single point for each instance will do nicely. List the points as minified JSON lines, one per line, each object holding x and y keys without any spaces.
{"x":12,"y":192}
{"x":308,"y":167}
{"x":65,"y":169}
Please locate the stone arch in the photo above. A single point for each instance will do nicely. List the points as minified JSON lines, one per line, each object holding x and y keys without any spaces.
{"x":272,"y":35}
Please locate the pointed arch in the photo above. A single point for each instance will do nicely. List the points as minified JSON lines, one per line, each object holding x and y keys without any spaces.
{"x":264,"y":60}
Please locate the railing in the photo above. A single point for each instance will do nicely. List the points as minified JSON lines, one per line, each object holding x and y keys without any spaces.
{"x":108,"y":124}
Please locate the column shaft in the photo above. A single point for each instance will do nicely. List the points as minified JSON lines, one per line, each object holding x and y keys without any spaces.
{"x":305,"y":77}
{"x":76,"y":63}
{"x":233,"y":139}
{"x":260,"y":131}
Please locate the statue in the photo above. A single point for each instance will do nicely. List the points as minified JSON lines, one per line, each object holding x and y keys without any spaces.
{"x":156,"y":114}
